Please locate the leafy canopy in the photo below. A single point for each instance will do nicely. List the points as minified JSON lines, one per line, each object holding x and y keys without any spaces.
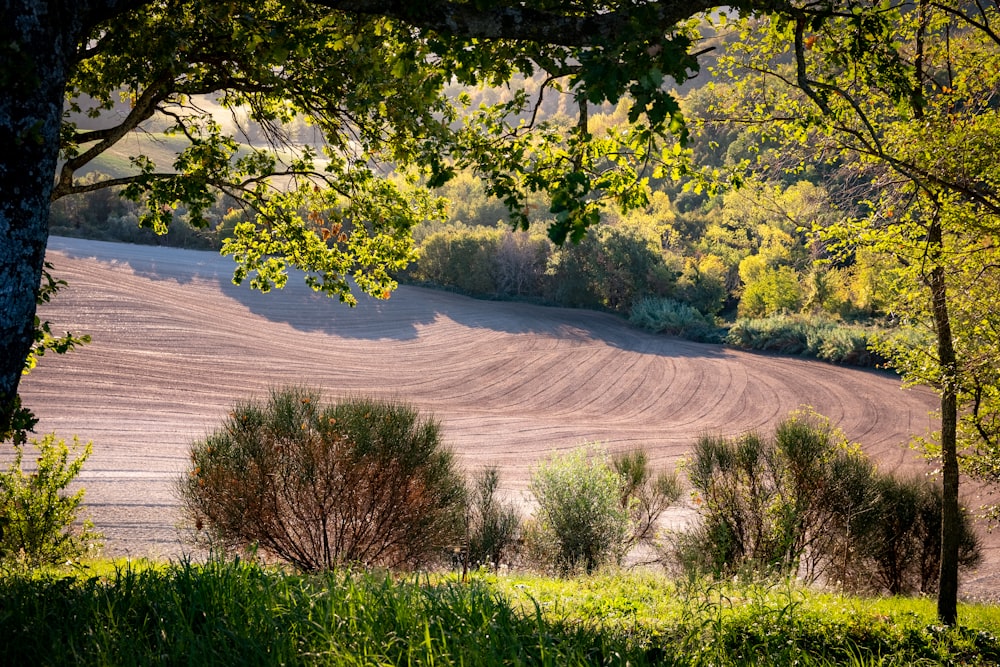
{"x":239,"y":85}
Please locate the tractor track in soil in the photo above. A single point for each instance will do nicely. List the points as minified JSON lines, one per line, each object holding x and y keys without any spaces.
{"x":175,"y":344}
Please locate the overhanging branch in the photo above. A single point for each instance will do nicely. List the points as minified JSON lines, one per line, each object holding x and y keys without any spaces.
{"x":516,"y":21}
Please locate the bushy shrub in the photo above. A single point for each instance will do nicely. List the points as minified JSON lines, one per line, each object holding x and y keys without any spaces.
{"x":899,"y":540}
{"x":668,"y":316}
{"x":38,"y":516}
{"x":817,"y":337}
{"x":487,"y":261}
{"x":460,"y":258}
{"x":570,"y":277}
{"x":593,"y":509}
{"x":805,"y":502}
{"x":744,"y":515}
{"x":361,"y":481}
{"x":519,"y":265}
{"x":579,"y":506}
{"x":492,"y":525}
{"x":610,"y":268}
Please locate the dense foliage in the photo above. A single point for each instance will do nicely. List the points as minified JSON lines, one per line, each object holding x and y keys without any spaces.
{"x":40,"y":521}
{"x":359,"y":481}
{"x":806,"y":503}
{"x":580,"y":515}
{"x":592,"y":509}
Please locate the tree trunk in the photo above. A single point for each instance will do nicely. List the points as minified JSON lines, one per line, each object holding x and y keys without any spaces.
{"x":36,"y":47}
{"x":951,"y":520}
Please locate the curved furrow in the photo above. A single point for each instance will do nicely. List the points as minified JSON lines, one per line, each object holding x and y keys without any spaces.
{"x":176,"y":344}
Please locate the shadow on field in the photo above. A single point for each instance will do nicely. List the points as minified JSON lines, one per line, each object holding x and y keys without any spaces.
{"x":399,"y":318}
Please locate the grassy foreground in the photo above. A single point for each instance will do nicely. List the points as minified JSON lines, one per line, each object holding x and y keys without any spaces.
{"x":239,"y":613}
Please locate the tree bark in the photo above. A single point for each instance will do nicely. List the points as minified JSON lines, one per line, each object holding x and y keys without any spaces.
{"x":39,"y":41}
{"x":951,"y":520}
{"x":36,"y":52}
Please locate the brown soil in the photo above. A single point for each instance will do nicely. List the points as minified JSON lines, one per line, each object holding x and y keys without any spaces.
{"x":175,"y":344}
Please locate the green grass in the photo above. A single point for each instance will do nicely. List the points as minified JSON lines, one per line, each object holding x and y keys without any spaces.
{"x":241,"y":613}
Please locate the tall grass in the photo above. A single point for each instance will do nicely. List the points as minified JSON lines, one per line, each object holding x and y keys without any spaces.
{"x":242,"y":613}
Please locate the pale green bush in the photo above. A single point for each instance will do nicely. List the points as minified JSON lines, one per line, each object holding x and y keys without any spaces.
{"x":820,"y":337}
{"x":668,"y":316}
{"x":38,"y":513}
{"x":579,"y":504}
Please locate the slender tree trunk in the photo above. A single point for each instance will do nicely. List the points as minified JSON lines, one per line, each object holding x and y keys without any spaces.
{"x":947,"y":604}
{"x":951,"y":519}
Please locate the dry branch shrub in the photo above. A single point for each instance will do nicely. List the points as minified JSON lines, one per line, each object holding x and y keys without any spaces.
{"x":807,"y":503}
{"x":492,"y":525}
{"x":646,"y":494}
{"x":358,"y":482}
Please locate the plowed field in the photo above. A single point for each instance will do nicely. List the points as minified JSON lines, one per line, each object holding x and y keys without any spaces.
{"x":175,"y":344}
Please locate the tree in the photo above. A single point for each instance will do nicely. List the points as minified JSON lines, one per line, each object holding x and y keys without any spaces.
{"x":337,"y":64}
{"x":904,"y":97}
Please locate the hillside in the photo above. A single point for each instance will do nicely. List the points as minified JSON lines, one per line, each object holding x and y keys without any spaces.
{"x":175,"y":344}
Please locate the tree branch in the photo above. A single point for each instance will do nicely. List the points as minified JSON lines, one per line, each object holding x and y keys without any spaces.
{"x":143,"y":109}
{"x":516,"y":21}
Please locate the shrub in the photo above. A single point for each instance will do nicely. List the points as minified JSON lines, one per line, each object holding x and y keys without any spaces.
{"x":570,"y":276}
{"x":580,"y":509}
{"x":519,"y":264}
{"x":805,"y":502}
{"x":786,"y":504}
{"x":37,"y":515}
{"x":463,"y":259}
{"x":361,"y":481}
{"x":674,"y":318}
{"x":492,"y":526}
{"x":629,"y":265}
{"x":611,"y":268}
{"x":645,"y":493}
{"x":820,"y":337}
{"x":900,"y":539}
{"x":778,"y":333}
{"x":744,"y":521}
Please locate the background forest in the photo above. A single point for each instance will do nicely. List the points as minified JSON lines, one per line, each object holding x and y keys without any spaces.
{"x":745,"y":264}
